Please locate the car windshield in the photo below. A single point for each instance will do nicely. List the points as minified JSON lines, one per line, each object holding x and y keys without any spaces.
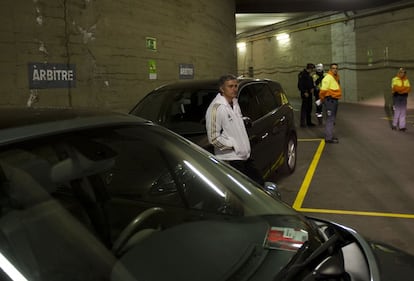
{"x":97,"y":205}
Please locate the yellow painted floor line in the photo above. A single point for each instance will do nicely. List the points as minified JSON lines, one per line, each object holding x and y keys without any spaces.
{"x":297,"y":205}
{"x":358,"y":213}
{"x":308,"y":177}
{"x":309,"y":140}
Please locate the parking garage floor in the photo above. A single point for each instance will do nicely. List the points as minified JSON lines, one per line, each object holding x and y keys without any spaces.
{"x":365,"y":182}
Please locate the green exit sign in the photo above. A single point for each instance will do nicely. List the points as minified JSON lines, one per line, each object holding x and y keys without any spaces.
{"x":151,"y":43}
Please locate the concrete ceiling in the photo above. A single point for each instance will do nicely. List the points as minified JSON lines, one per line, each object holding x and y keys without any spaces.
{"x":289,"y":6}
{"x":254,"y":14}
{"x":249,"y":21}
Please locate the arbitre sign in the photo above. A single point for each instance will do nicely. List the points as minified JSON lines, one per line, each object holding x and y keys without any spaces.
{"x":51,"y":75}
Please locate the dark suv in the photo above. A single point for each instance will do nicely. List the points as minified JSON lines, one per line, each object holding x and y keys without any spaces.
{"x":181,"y":107}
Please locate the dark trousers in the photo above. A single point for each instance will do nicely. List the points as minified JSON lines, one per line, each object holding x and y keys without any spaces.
{"x":248,"y":168}
{"x":400,"y":111}
{"x":331,"y":107}
{"x":305,"y":111}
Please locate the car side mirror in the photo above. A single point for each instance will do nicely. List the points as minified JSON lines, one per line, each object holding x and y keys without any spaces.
{"x":272,"y":189}
{"x":247,"y":121}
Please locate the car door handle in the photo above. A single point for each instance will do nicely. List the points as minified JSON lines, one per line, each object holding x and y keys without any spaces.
{"x":279,"y":121}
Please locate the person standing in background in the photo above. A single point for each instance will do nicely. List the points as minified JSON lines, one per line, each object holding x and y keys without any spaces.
{"x":329,"y":93}
{"x":317,"y":79}
{"x":306,"y":88}
{"x":226,"y":130}
{"x":400,"y":87}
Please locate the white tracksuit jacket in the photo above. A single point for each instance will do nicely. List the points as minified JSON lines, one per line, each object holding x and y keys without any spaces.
{"x":226,"y":130}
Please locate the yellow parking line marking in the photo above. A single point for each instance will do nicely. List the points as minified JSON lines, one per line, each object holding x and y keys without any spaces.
{"x":308,"y":178}
{"x":309,"y":140}
{"x":297,"y":205}
{"x":359,"y":213}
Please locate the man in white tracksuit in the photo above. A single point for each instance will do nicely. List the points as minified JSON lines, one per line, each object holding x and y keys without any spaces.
{"x":226,"y":130}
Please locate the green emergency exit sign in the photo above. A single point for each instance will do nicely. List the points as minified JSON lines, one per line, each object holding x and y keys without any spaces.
{"x":151,"y":43}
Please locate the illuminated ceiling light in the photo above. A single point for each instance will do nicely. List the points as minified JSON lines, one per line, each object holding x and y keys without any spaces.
{"x":241,"y":45}
{"x":282,"y":37}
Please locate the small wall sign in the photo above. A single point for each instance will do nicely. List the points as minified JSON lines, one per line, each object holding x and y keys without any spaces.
{"x":152,"y":68}
{"x":151,"y":43}
{"x":51,"y":75}
{"x":186,"y":71}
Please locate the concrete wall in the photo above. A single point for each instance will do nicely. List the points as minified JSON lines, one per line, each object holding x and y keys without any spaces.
{"x":369,"y":47}
{"x":106,"y":41}
{"x":283,"y":60}
{"x":383,"y":45}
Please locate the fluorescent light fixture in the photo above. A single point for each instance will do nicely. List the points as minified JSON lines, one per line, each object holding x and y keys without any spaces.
{"x":282,"y":37}
{"x":241,"y":45}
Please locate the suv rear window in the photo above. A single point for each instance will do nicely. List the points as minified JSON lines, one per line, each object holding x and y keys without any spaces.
{"x":171,"y":107}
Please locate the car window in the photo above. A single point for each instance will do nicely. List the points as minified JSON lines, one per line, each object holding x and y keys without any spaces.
{"x":189,"y":105}
{"x":179,"y":109}
{"x":249,"y":103}
{"x":35,"y":229}
{"x":146,"y":172}
{"x":150,"y":107}
{"x":169,"y":106}
{"x":256,"y":100}
{"x":123,"y":164}
{"x":77,"y":193}
{"x":266,"y":98}
{"x":278,"y":93}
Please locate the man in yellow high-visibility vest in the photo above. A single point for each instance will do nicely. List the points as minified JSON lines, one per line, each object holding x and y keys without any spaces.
{"x":400,"y":87}
{"x":329,"y":93}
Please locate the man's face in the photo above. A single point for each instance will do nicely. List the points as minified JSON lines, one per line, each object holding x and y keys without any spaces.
{"x":334,"y":69}
{"x":229,"y":89}
{"x":401,"y":72}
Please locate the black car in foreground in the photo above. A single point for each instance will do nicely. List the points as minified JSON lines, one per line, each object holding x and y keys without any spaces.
{"x":181,"y":107}
{"x":91,"y":195}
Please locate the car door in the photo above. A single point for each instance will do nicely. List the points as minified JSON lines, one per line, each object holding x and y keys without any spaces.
{"x":283,"y":122}
{"x":267,"y":131}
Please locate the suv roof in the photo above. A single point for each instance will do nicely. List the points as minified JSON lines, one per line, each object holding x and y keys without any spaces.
{"x":204,"y":83}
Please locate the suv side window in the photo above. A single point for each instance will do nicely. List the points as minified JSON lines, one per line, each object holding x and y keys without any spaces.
{"x":278,"y":93}
{"x":256,"y":100}
{"x":266,"y":99}
{"x":248,"y":103}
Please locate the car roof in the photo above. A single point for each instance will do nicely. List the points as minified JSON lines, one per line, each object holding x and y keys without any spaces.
{"x":209,"y":83}
{"x":25,"y":123}
{"x":204,"y":83}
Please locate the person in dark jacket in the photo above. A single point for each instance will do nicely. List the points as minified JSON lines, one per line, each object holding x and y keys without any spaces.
{"x":306,"y":87}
